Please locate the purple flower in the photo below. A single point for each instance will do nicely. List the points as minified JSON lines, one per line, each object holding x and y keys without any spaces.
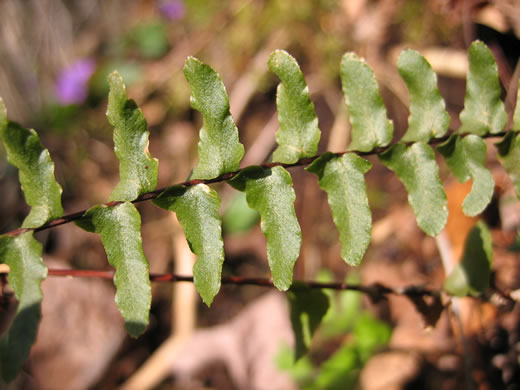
{"x":71,"y":86}
{"x":173,"y":10}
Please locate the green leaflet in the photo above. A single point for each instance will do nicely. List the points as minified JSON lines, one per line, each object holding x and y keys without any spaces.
{"x":509,"y":156}
{"x":466,"y":158}
{"x":428,"y":116}
{"x":343,"y":180}
{"x":197,"y":210}
{"x":36,"y":171}
{"x":483,"y":110}
{"x":219,"y":148}
{"x":299,"y":134}
{"x":415,"y":166}
{"x":307,"y":309}
{"x":370,"y":126}
{"x":270,"y":192}
{"x":119,"y":227}
{"x":138,"y":170}
{"x":471,"y":275}
{"x":27,"y":270}
{"x":23,"y":253}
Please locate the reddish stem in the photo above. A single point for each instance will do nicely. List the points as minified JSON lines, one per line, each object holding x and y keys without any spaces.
{"x":224,"y":177}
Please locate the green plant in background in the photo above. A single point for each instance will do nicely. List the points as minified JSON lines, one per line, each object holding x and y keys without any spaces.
{"x":360,"y":335}
{"x":238,"y":217}
{"x":268,"y":189}
{"x":150,"y":39}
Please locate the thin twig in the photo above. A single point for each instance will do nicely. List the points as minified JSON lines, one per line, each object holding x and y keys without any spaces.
{"x":424,"y":299}
{"x":222,"y":178}
{"x":375,"y":291}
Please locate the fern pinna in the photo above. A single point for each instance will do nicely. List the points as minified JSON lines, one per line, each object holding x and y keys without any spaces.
{"x":268,"y":188}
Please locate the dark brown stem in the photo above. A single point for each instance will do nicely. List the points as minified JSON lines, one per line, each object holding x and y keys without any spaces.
{"x":224,"y":177}
{"x":377,"y":290}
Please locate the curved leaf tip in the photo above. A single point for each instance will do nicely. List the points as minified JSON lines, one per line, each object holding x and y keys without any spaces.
{"x":116,"y":95}
{"x":299,"y":134}
{"x":115,"y":80}
{"x":370,"y":126}
{"x":483,"y":111}
{"x":138,"y":169}
{"x":193,"y":61}
{"x":219,"y":148}
{"x":428,"y":116}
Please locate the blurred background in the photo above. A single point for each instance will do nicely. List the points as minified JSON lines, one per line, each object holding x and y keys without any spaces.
{"x":55,"y":56}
